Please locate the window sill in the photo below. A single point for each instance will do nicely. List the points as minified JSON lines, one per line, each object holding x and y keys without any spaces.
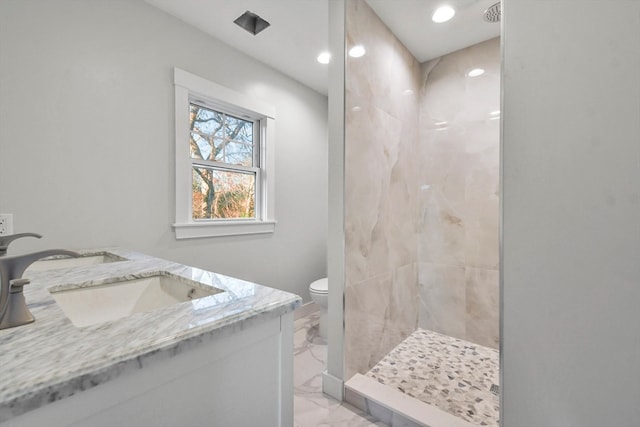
{"x":196,"y":230}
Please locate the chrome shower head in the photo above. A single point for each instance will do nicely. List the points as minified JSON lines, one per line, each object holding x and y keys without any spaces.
{"x":492,"y":14}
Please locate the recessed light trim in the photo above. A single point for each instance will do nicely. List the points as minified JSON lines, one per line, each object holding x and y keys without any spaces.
{"x":357,"y":51}
{"x":475,"y":72}
{"x":324,"y":57}
{"x":443,"y":14}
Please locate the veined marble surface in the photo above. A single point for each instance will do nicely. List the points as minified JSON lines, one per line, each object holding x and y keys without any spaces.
{"x":51,"y":358}
{"x":311,"y":407}
{"x":381,"y":227}
{"x":459,"y":151}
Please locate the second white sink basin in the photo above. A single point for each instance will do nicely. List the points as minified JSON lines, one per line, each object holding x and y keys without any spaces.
{"x":95,"y":304}
{"x":56,"y":263}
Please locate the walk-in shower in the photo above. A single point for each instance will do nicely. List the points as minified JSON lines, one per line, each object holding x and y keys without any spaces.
{"x":421,"y":221}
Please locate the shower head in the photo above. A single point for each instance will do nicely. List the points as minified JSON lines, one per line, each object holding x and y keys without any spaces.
{"x":492,"y":14}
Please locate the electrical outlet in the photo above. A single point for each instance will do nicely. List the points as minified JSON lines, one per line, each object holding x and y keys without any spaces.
{"x":6,"y":224}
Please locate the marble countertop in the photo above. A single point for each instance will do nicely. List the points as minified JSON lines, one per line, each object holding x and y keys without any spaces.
{"x":51,"y":358}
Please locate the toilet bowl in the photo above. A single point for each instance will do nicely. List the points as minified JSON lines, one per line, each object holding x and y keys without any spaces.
{"x":319,"y":291}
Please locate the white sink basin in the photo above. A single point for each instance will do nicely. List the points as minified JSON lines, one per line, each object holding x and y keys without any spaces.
{"x":57,"y":263}
{"x":110,"y":301}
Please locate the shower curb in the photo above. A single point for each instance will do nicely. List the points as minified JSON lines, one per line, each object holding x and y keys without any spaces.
{"x":395,"y":408}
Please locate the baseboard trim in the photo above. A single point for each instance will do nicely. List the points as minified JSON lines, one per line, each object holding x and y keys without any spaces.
{"x":305,"y":309}
{"x":332,"y":386}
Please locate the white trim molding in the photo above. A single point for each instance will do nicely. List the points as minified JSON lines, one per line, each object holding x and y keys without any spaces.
{"x":332,"y":386}
{"x":188,"y":88}
{"x":223,"y":228}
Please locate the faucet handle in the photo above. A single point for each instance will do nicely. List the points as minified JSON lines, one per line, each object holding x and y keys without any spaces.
{"x":6,"y":240}
{"x":18,"y":283}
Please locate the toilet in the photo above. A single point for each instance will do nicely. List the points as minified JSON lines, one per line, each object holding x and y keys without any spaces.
{"x":319,"y":291}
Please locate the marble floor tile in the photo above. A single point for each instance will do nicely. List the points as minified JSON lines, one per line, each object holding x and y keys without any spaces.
{"x":454,"y":375}
{"x":312,"y":408}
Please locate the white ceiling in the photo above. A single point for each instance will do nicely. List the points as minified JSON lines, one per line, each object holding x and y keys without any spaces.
{"x":410,"y":21}
{"x":298,"y":31}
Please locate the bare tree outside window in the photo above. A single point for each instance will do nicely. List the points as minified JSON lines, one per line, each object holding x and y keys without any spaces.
{"x":224,"y":170}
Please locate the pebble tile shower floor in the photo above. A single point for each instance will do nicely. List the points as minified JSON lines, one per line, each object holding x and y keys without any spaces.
{"x":454,"y":375}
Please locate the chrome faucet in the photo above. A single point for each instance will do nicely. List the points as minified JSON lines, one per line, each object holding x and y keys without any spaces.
{"x":6,"y":240}
{"x":13,"y":307}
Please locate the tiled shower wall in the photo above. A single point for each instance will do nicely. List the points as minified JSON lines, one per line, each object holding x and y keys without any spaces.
{"x":381,"y":232}
{"x":459,"y":156}
{"x":420,"y":202}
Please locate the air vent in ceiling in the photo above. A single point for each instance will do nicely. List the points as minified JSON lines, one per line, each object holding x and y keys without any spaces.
{"x":251,"y":22}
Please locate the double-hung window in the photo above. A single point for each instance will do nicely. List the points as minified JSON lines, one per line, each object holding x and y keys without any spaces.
{"x":224,"y":160}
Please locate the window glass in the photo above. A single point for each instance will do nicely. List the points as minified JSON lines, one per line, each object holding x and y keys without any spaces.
{"x":220,"y":137}
{"x":219,"y":194}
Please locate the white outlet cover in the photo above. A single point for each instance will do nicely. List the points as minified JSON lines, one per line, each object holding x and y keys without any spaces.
{"x":6,"y":224}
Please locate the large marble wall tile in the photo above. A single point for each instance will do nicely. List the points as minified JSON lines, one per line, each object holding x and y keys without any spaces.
{"x":482,"y":306}
{"x":482,"y":203}
{"x":370,"y":155}
{"x":442,"y":158}
{"x":444,"y":89}
{"x":442,"y":237}
{"x":402,"y":317}
{"x":482,"y":93}
{"x":381,"y":201}
{"x":442,"y":299}
{"x":458,"y":206}
{"x":380,"y":312}
{"x":380,"y":224}
{"x":366,"y":304}
{"x":388,"y":74}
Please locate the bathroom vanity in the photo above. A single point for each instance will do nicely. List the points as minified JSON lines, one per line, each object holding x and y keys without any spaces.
{"x":165,"y":345}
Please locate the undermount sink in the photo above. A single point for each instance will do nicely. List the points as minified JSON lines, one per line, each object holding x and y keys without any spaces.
{"x":103,"y":302}
{"x":56,"y":263}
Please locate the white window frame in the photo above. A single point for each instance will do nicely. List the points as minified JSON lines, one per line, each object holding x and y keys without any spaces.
{"x":191,"y":88}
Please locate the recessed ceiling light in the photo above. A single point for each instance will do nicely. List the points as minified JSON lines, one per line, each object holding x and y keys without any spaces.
{"x":475,"y":72}
{"x":443,"y":14}
{"x":357,"y":51}
{"x":324,"y":58}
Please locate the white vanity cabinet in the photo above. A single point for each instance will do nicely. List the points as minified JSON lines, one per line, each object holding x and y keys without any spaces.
{"x":244,"y":379}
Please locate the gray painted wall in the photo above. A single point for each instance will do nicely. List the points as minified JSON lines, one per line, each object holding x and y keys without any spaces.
{"x":571,"y":213}
{"x":86,"y":138}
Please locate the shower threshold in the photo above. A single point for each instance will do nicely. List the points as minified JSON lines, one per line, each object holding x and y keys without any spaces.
{"x":431,"y":380}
